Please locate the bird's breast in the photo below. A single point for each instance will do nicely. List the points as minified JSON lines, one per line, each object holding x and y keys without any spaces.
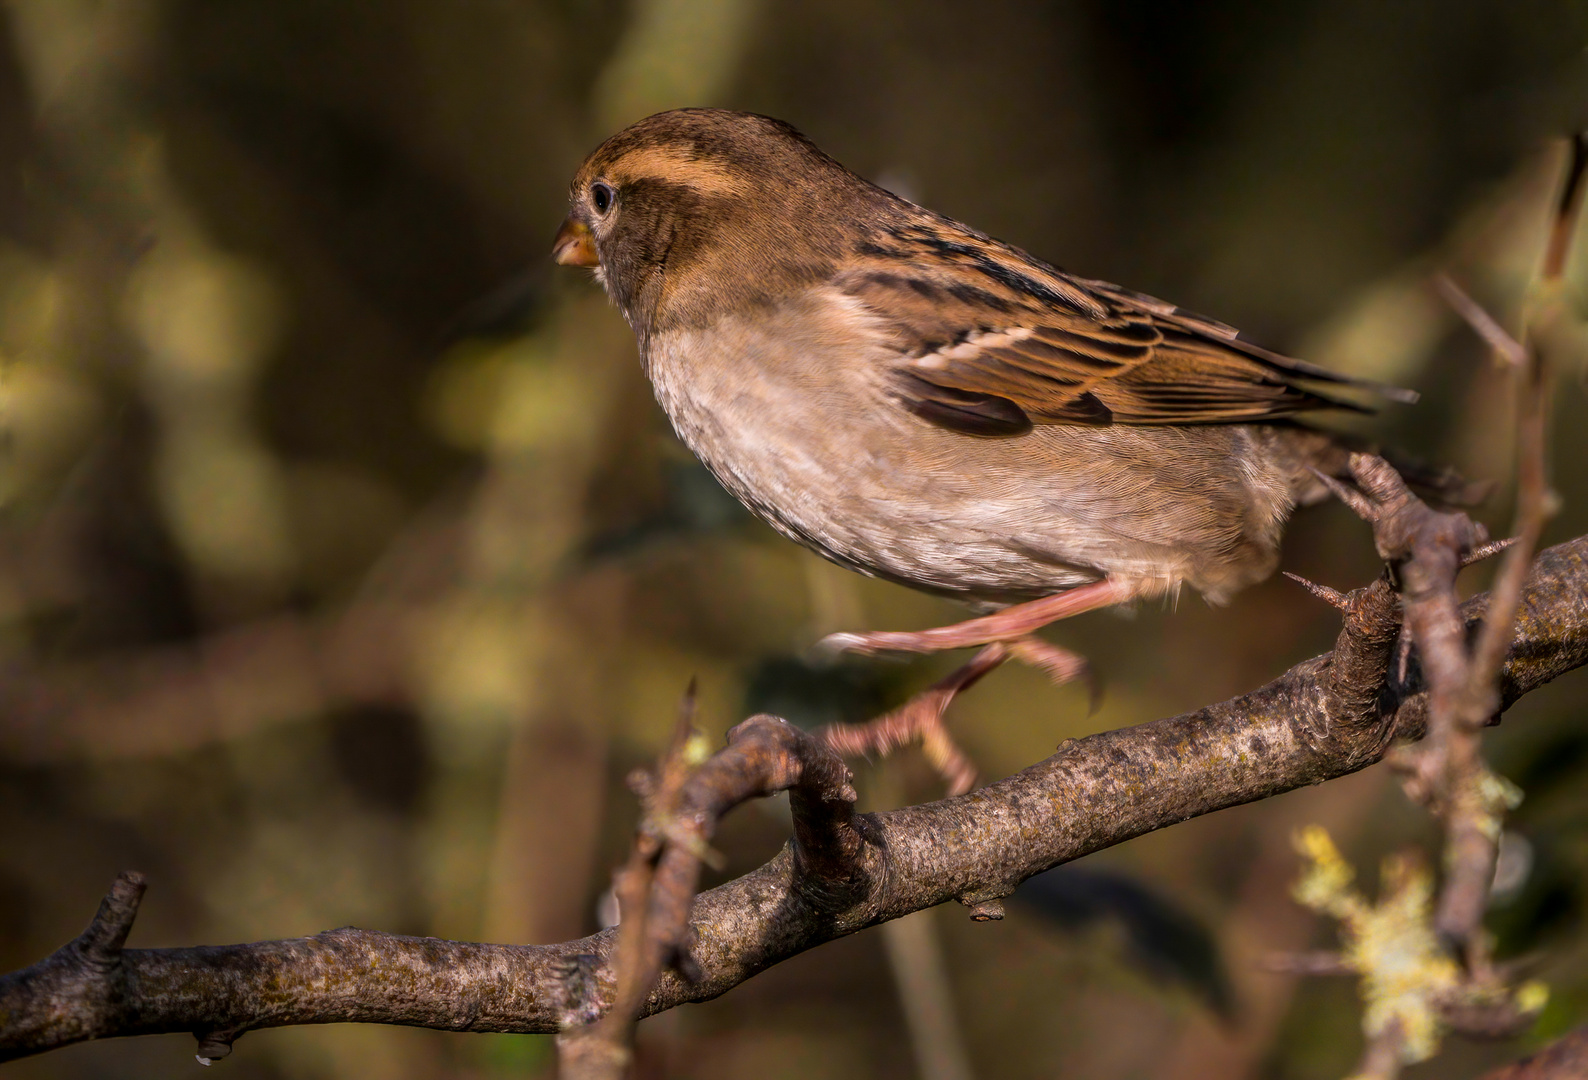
{"x":790,"y":408}
{"x":787,"y":407}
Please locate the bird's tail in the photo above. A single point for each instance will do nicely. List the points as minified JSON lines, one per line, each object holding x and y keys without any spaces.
{"x":1307,"y":451}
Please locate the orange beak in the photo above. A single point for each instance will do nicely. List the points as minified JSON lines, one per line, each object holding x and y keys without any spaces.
{"x":574,"y":245}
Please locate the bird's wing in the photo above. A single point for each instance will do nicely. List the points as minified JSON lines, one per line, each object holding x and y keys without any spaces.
{"x":992,"y":341}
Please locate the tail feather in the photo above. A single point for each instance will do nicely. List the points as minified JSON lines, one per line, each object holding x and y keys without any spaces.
{"x":1304,"y":449}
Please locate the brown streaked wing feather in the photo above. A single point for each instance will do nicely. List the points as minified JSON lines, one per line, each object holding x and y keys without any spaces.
{"x":1074,"y":374}
{"x":988,"y":335}
{"x":1203,"y":327}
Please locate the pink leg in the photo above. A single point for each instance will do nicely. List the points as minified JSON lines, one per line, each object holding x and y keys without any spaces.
{"x":1003,"y":635}
{"x":1010,"y":624}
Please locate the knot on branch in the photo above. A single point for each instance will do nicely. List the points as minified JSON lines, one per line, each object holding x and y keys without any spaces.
{"x":214,"y":1045}
{"x":578,"y":979}
{"x":1423,"y":549}
{"x":990,"y":909}
{"x":1360,"y":697}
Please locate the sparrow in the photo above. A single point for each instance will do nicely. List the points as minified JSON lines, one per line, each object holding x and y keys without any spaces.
{"x":917,"y":401}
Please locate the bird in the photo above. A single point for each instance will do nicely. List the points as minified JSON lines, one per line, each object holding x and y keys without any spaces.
{"x":919,"y":402}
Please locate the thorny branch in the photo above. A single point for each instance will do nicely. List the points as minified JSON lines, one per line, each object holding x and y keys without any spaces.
{"x":1446,"y":772}
{"x":1465,"y":692}
{"x":1329,"y":716}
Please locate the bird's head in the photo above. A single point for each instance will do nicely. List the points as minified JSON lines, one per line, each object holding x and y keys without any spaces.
{"x":692,"y":212}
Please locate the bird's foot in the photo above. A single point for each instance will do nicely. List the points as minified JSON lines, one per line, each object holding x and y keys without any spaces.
{"x":1061,"y":665}
{"x":921,"y":720}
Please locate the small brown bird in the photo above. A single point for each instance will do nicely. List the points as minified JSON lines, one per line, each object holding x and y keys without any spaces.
{"x":920,"y":402}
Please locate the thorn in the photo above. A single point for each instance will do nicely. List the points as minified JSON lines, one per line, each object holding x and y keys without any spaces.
{"x":1566,"y":209}
{"x":1359,"y":503}
{"x":1484,"y":551}
{"x":1094,"y":692}
{"x":687,"y":707}
{"x":1309,"y":963}
{"x":1329,"y":596}
{"x":1506,"y":347}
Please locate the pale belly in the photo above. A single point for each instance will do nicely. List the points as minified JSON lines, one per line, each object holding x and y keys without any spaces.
{"x":813,"y":444}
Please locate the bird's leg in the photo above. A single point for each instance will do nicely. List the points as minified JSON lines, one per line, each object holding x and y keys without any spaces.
{"x":921,"y":719}
{"x":1012,"y":624}
{"x":1003,"y":635}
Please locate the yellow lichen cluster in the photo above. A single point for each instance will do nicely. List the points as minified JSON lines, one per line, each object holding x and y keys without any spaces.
{"x":1408,"y":976}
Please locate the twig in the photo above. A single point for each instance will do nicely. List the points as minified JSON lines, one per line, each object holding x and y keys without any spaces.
{"x":1465,"y":694}
{"x":921,"y":977}
{"x":1429,"y":547}
{"x":602,"y":1050}
{"x":1568,"y":207}
{"x":1381,"y":1058}
{"x":1565,"y":1059}
{"x":1311,"y":963}
{"x":684,"y":800}
{"x":925,"y":994}
{"x":1425,"y":550}
{"x":1486,"y":326}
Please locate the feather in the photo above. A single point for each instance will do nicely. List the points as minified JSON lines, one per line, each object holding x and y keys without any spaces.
{"x":986,"y":333}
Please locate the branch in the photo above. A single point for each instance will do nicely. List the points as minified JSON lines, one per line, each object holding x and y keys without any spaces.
{"x":1451,"y":770}
{"x":1329,"y":716}
{"x":1565,"y":1059}
{"x":656,"y":888}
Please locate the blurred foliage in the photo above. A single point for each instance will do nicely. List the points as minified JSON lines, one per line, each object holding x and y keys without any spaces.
{"x":346,"y":565}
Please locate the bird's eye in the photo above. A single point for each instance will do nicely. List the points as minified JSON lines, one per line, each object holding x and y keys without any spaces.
{"x":601,"y":196}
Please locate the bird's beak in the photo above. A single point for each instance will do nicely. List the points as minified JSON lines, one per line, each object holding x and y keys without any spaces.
{"x":574,"y":245}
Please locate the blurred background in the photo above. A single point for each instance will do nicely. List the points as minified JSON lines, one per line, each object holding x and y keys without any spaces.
{"x":346,"y":564}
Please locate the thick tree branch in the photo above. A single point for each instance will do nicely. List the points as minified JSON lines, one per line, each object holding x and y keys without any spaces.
{"x":1324,"y":718}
